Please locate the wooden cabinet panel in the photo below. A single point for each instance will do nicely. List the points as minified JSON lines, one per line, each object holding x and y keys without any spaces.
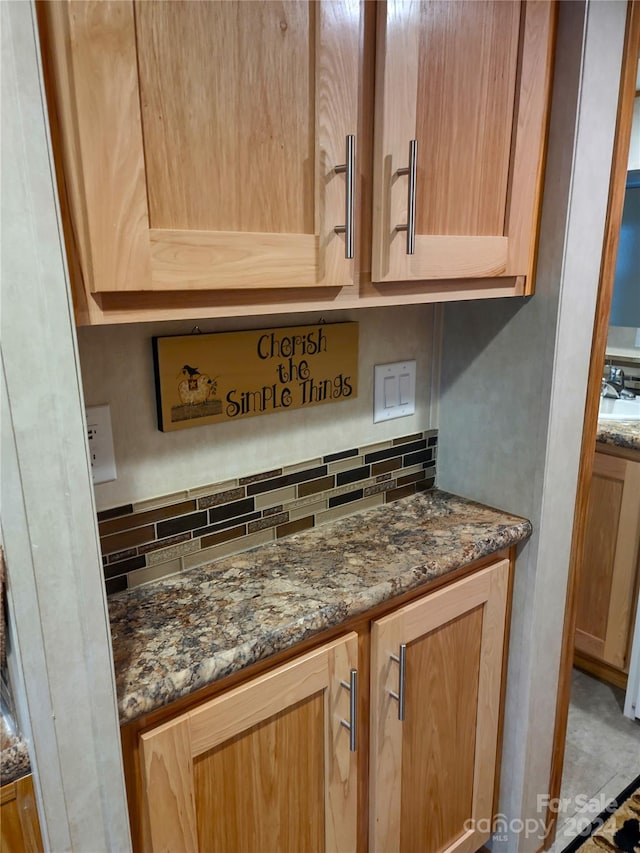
{"x":264,"y":766}
{"x":468,"y":81}
{"x":446,"y":739}
{"x":197,"y":146}
{"x":203,"y":140}
{"x":221,"y":152}
{"x":603,"y":517}
{"x":19,"y":824}
{"x":92,"y":58}
{"x":609,"y":572}
{"x":467,"y":52}
{"x":278,"y":813}
{"x":433,"y":773}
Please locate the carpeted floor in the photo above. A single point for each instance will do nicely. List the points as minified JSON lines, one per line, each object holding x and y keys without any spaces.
{"x":616,"y":830}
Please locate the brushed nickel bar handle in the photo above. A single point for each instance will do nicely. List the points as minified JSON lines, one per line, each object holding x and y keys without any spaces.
{"x":400,"y":695}
{"x":350,"y":173}
{"x":352,"y":725}
{"x":411,"y":171}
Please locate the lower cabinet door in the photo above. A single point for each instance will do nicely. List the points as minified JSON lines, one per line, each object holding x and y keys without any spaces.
{"x":607,"y":589}
{"x":266,"y":767}
{"x":435,"y":699}
{"x":19,"y":824}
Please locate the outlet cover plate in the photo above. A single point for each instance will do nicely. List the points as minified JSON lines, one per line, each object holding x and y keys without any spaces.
{"x":394,"y":390}
{"x":100,"y":436}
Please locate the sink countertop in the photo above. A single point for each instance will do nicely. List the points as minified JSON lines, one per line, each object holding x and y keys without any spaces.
{"x":619,"y":433}
{"x":181,"y":633}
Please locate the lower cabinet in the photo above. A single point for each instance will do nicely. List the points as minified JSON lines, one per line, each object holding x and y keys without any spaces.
{"x":436,"y":673}
{"x":609,"y":573}
{"x":19,"y":824}
{"x":273,"y":766}
{"x":266,"y":767}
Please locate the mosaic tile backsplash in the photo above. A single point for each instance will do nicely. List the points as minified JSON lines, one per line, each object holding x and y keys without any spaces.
{"x":151,"y":539}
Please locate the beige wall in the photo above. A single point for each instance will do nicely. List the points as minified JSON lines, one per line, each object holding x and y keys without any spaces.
{"x":60,"y":660}
{"x":117,"y":368}
{"x":513,"y":391}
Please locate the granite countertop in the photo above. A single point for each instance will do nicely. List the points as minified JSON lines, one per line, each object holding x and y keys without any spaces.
{"x":619,"y":433}
{"x":184,"y":632}
{"x":14,"y":758}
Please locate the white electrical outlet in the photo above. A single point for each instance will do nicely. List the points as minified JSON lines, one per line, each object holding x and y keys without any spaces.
{"x":394,"y":390}
{"x":103,"y":460}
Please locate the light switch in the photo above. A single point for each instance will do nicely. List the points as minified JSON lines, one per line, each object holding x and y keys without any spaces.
{"x":404,"y":385}
{"x":394,"y":390}
{"x":390,"y":392}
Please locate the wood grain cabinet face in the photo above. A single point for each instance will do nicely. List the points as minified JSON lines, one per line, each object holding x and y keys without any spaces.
{"x":432,"y":774}
{"x":469,"y":82}
{"x":607,"y":589}
{"x":264,"y":767}
{"x":19,"y":823}
{"x":201,"y":139}
{"x":197,"y":145}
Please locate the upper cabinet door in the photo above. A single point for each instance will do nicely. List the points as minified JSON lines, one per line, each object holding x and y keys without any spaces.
{"x":208,"y":136}
{"x":461,"y":105}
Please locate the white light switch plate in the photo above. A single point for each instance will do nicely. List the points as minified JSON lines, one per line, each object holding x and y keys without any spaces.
{"x":394,"y":390}
{"x":103,"y":460}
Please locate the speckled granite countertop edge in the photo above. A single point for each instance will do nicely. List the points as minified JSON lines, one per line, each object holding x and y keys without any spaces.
{"x":14,"y":757}
{"x":142,"y":690}
{"x":207,"y":672}
{"x":625,"y":434}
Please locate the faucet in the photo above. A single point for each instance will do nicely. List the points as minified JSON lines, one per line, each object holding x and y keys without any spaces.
{"x":613,"y":385}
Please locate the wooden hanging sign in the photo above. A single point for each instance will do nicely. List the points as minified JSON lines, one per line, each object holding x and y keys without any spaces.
{"x":209,"y":378}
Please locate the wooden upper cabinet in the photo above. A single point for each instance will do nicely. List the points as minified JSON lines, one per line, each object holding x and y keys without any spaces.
{"x":201,"y":140}
{"x":468,"y":83}
{"x":202,"y":150}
